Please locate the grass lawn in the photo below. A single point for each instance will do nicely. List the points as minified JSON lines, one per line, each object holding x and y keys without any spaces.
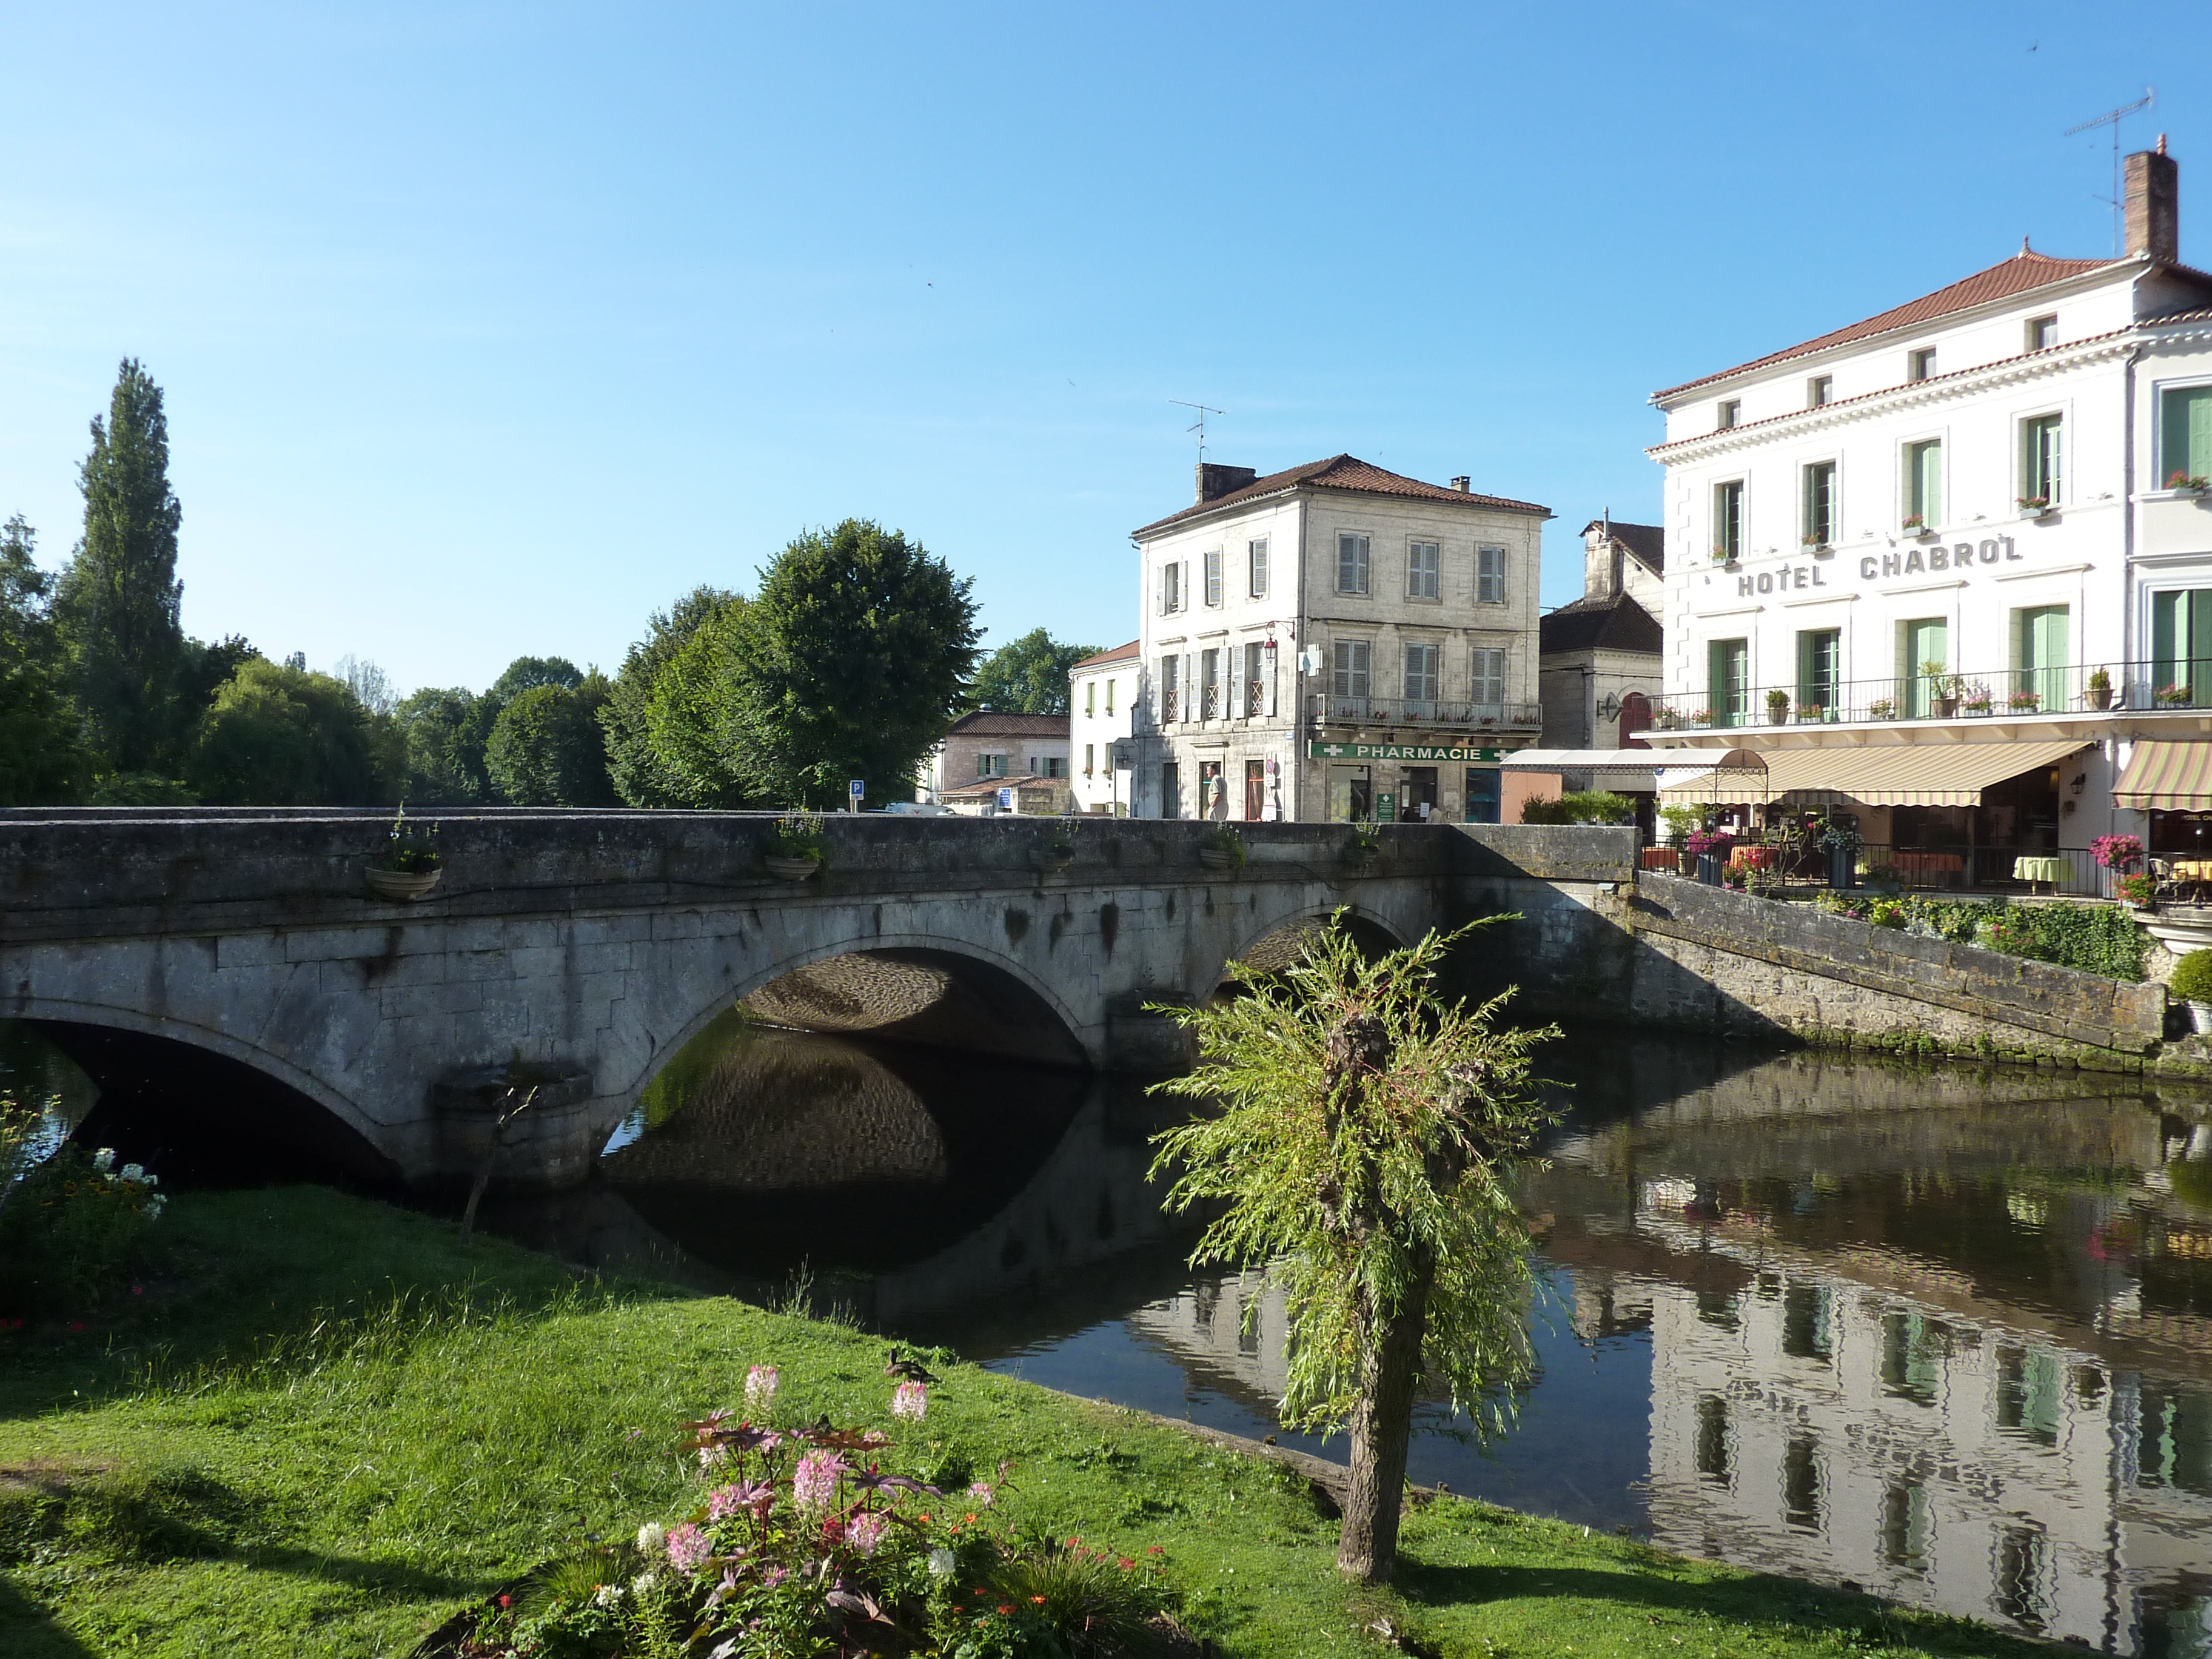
{"x":328,"y":1426}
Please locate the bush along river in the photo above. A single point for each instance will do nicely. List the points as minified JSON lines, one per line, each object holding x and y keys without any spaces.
{"x":1939,"y":1332}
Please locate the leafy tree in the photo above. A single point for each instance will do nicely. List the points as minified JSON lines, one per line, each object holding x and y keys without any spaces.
{"x":1029,"y":676}
{"x":527,"y":673}
{"x":692,"y":736}
{"x":206,"y":670}
{"x":1364,"y":1152}
{"x":852,"y":660}
{"x":118,"y":600}
{"x":640,"y":777}
{"x":445,"y":745}
{"x":547,"y":749}
{"x":279,"y":736}
{"x":43,"y":758}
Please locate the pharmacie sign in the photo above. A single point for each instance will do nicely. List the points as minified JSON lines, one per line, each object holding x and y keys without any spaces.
{"x":1958,"y":559}
{"x":1400,"y":751}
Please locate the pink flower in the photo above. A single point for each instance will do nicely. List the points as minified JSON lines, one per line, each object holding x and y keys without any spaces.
{"x":982,"y":1493}
{"x":710,"y":1456}
{"x":814,"y":1482}
{"x":911,"y":1400}
{"x":726,"y":1501}
{"x":760,"y":1388}
{"x":687,"y":1548}
{"x":866,"y":1530}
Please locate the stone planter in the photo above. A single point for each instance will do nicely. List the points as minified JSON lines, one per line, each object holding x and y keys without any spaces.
{"x":1777,"y":716}
{"x":2200,"y":1018}
{"x":1214,"y":859}
{"x":790,"y":869}
{"x":404,"y":886}
{"x":2101,"y":697}
{"x":1051,"y":863}
{"x":1943,"y":708}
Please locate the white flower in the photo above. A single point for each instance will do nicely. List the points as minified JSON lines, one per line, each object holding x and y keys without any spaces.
{"x":652,"y":1538}
{"x":941,"y":1563}
{"x":607,"y":1595}
{"x":134,"y":1172}
{"x":643,"y":1583}
{"x":104,"y":1159}
{"x":154,"y":1206}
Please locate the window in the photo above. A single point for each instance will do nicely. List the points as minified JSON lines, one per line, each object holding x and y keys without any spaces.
{"x":1820,"y":668}
{"x":1425,"y":563}
{"x":1171,"y":688}
{"x":1090,"y":698}
{"x":1820,"y":494}
{"x":1256,"y":790}
{"x":1257,"y":568}
{"x":990,"y":766}
{"x":1350,"y":564}
{"x":1820,"y":391}
{"x":1052,"y":766}
{"x":2181,"y":645}
{"x":2042,"y":333}
{"x":1109,"y":696}
{"x":1086,"y":759}
{"x":1170,"y":589}
{"x":1920,"y":365}
{"x":1255,"y":684}
{"x":1730,"y":410}
{"x":2040,"y":652}
{"x":1170,"y":790}
{"x":1213,"y":577}
{"x":2184,"y":444}
{"x":1728,"y":521}
{"x":1421,"y":678}
{"x":1728,"y":680}
{"x":1923,"y":656}
{"x":1489,"y":681}
{"x":2039,"y":461}
{"x":1490,"y":575}
{"x":1209,"y":686}
{"x":1923,"y":485}
{"x":1351,"y":661}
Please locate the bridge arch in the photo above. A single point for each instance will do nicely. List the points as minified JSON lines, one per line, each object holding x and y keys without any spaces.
{"x":1372,"y":931}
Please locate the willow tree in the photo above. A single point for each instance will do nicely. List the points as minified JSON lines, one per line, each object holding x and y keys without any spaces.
{"x":1365,"y":1148}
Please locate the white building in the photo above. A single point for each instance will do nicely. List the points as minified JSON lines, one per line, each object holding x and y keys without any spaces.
{"x":1102,"y":695}
{"x":1334,"y":641}
{"x":1951,"y":565}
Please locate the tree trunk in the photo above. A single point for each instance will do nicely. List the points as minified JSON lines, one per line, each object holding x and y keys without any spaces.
{"x":1381,"y":1424}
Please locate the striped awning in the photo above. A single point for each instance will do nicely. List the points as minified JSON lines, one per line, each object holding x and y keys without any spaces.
{"x":2167,"y":777}
{"x":1914,"y":774}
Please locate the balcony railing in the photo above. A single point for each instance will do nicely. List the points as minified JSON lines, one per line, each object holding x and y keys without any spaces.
{"x":1434,"y":715}
{"x":2006,"y":692}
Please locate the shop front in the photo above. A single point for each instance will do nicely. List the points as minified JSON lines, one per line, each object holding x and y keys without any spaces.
{"x":1409,"y":783}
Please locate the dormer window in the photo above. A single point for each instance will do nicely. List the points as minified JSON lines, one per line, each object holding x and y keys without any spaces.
{"x":1921,"y":364}
{"x":1731,"y":409}
{"x":2042,"y":333}
{"x":1819,"y":389}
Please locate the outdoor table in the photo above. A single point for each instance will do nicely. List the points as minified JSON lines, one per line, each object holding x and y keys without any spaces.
{"x":2033,"y":871}
{"x":2192,"y":869}
{"x":1660,"y":858}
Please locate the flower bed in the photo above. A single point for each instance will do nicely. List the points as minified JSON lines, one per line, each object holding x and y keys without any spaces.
{"x":802,"y":1540}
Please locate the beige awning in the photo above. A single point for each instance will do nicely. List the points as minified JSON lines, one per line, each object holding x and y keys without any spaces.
{"x":1914,"y":775}
{"x":2167,"y":777}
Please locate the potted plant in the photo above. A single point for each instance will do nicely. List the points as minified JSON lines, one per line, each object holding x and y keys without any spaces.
{"x":1880,"y":708}
{"x":1811,"y":714}
{"x":1665,"y":720}
{"x":2187,"y":483}
{"x":412,"y":866}
{"x":1721,"y":556}
{"x":1843,"y":849}
{"x":1975,"y":698}
{"x":1943,"y":690}
{"x":1702,"y":717}
{"x":1054,"y":853}
{"x":1916,"y":524}
{"x":1221,"y":849}
{"x":2099,"y":687}
{"x":1710,"y":849}
{"x":2137,"y":891}
{"x":1777,"y":706}
{"x":1365,"y":846}
{"x":2032,"y":507}
{"x":2174,"y":696}
{"x":1811,"y":543}
{"x":794,"y":847}
{"x":2192,"y":983}
{"x":2025,"y":702}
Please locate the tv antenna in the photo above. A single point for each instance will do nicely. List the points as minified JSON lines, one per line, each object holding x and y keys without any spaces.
{"x":2112,"y":118}
{"x":1199,"y":425}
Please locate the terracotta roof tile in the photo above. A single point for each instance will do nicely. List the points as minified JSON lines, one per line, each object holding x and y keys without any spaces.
{"x":990,"y":723}
{"x":1341,"y":472}
{"x":1117,"y":654}
{"x":992,"y":786}
{"x":2020,"y":274}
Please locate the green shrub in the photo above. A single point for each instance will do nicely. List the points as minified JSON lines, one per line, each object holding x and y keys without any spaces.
{"x":2092,"y":939}
{"x":70,"y":1232}
{"x":2192,"y":977}
{"x":1580,"y":806}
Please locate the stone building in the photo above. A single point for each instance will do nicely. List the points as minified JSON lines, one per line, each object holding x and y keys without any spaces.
{"x":988,"y":745}
{"x":1333,"y":642}
{"x":1101,"y":697}
{"x":1601,"y":658}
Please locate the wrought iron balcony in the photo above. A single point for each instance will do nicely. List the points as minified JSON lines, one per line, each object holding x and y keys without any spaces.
{"x":1325,"y":708}
{"x":2076,"y":689}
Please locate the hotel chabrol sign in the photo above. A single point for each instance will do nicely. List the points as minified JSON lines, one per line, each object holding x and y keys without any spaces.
{"x":1959,"y":560}
{"x":1400,"y":751}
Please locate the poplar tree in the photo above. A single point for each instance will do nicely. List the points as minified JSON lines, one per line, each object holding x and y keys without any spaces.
{"x":118,"y":601}
{"x":1365,"y":1149}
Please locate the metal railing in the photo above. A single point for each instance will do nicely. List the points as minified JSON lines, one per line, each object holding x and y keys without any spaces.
{"x":2008,"y":693}
{"x":2071,"y":872}
{"x":1326,"y":708}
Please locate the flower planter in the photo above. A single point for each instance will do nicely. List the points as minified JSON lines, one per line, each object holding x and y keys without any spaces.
{"x":1841,"y":864}
{"x":790,"y":869}
{"x":1051,"y":863}
{"x":1709,"y":869}
{"x":404,"y":886}
{"x":2033,"y":512}
{"x":1944,"y":708}
{"x":1777,"y":717}
{"x":2200,"y":1018}
{"x":2101,"y":697}
{"x":1214,"y":859}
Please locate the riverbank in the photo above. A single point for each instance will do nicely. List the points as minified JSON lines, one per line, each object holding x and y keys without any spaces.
{"x":325,"y":1426}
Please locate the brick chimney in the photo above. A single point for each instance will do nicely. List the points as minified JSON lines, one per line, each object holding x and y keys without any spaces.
{"x":1214,"y":481}
{"x":2153,"y":199}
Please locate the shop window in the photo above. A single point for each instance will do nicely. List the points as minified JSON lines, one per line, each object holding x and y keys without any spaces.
{"x":1728,"y":680}
{"x":1351,"y":794}
{"x":2181,"y":646}
{"x":1485,"y":795}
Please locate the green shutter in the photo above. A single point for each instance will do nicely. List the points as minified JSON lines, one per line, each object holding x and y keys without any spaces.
{"x":1924,"y":641}
{"x":2186,"y":445}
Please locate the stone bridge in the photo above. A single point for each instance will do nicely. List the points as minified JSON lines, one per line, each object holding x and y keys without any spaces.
{"x":581,"y":951}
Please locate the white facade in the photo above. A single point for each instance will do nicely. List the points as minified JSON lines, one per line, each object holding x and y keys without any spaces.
{"x":1102,"y":693}
{"x":1335,"y":607}
{"x":1939,"y":525}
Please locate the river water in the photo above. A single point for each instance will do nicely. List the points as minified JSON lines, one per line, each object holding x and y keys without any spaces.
{"x":1943,"y":1333}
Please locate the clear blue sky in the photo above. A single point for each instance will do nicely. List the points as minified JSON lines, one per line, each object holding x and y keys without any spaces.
{"x":488,"y":330}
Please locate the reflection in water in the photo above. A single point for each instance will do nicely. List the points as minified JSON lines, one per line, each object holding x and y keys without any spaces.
{"x":1944,"y":1334}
